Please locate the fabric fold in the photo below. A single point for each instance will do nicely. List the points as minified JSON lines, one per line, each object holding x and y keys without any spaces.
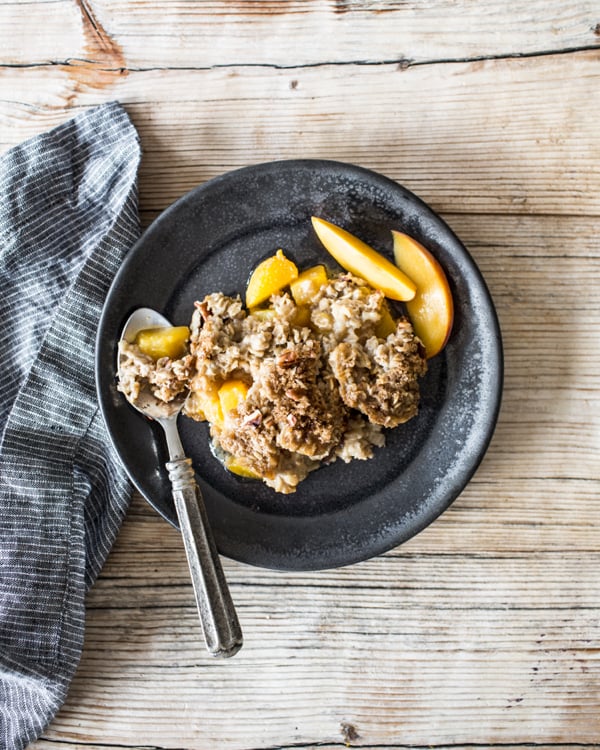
{"x":68,"y":215}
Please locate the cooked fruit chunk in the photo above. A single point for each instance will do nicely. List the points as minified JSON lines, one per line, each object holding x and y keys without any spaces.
{"x":231,"y":395}
{"x":302,"y":316}
{"x":235,"y":466}
{"x":432,"y":310}
{"x":362,"y":260}
{"x":309,"y":282}
{"x":386,"y":324}
{"x":163,"y":342}
{"x":205,"y":405}
{"x":267,"y":313}
{"x":269,"y":277}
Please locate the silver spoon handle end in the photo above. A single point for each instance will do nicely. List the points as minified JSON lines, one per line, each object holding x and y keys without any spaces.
{"x":218,"y":617}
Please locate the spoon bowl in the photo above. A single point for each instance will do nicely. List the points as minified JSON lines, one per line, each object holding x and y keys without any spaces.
{"x":220,"y":625}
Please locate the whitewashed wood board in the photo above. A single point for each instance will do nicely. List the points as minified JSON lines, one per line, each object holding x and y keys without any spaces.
{"x":288,"y":33}
{"x":406,"y":649}
{"x":483,"y":630}
{"x":471,"y":137}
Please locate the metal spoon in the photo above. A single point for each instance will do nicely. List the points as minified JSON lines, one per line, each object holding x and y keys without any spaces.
{"x":220,"y":625}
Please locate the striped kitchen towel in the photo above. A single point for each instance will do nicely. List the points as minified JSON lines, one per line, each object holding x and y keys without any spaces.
{"x":68,"y":214}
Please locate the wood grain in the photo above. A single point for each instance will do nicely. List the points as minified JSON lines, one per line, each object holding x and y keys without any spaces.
{"x":496,"y":141}
{"x":293,"y":33}
{"x":483,"y":630}
{"x":402,"y":648}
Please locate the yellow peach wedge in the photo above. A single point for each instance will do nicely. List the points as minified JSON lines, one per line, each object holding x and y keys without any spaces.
{"x":302,"y":316}
{"x":231,"y":394}
{"x":270,"y":277}
{"x":362,"y":260}
{"x":431,"y":312}
{"x":235,"y":466}
{"x":304,"y":288}
{"x":264,"y":314}
{"x":205,"y":406}
{"x":163,"y":342}
{"x":386,"y":324}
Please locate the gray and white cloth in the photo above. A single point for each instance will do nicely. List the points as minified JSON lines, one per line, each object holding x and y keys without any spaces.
{"x":68,"y":215}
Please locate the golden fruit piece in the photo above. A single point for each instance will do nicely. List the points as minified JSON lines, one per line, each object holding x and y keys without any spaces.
{"x":302,"y":316}
{"x":304,"y":288}
{"x":269,"y":277}
{"x":235,"y":466}
{"x":205,"y":406}
{"x":231,"y":394}
{"x":168,"y":342}
{"x":263,"y":314}
{"x":431,"y":312}
{"x":386,"y":324}
{"x":362,"y":260}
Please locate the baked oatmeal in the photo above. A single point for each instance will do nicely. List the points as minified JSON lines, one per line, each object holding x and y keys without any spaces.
{"x":165,"y":378}
{"x":305,"y":384}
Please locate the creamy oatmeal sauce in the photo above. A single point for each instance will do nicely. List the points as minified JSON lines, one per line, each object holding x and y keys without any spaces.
{"x":321,"y":384}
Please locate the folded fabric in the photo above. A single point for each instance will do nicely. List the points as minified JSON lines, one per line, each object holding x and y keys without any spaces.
{"x":68,"y":215}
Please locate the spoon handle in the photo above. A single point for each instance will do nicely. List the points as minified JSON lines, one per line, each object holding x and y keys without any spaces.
{"x":220,"y":625}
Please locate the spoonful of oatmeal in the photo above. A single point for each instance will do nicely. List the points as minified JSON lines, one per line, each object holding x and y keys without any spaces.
{"x":153,"y":370}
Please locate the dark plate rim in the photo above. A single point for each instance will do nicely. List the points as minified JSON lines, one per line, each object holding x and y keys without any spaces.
{"x":414,"y":526}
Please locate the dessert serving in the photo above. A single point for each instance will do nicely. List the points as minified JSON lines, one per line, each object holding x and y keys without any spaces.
{"x":311,"y":367}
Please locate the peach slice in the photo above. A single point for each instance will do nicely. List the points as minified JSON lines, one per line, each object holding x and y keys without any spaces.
{"x":163,"y":342}
{"x":231,"y":394}
{"x":431,"y":311}
{"x":386,"y":324}
{"x":205,"y":406}
{"x":362,"y":260}
{"x":304,"y":288}
{"x":264,"y":314}
{"x":235,"y":466}
{"x":302,"y":316}
{"x":269,"y":277}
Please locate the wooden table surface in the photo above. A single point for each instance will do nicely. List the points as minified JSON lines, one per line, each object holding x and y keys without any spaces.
{"x":484,"y":630}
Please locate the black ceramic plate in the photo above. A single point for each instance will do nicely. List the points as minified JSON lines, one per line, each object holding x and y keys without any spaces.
{"x":210,"y":240}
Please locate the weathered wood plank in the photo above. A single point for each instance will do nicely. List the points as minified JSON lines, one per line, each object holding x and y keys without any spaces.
{"x":288,"y":32}
{"x":403,"y":649}
{"x":467,"y":137}
{"x":349,"y":738}
{"x":502,"y":516}
{"x":382,"y":647}
{"x":477,"y":582}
